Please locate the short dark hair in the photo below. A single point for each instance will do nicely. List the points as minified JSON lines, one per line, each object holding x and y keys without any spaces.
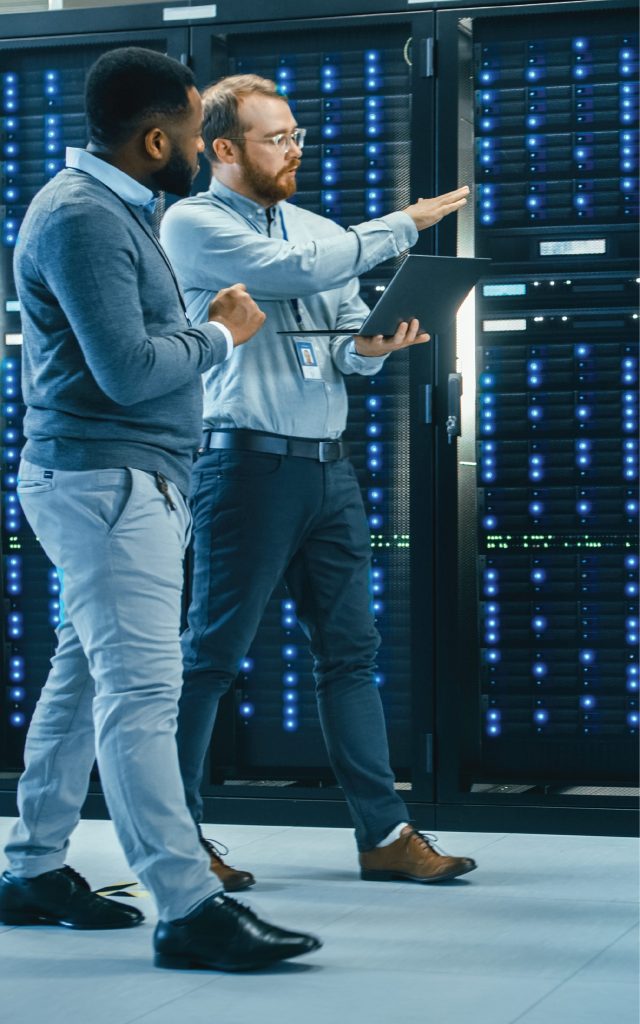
{"x":220,"y":104}
{"x":126,"y":88}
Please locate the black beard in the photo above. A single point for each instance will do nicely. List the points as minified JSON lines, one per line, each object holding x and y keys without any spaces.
{"x":269,"y":189}
{"x":176,"y":176}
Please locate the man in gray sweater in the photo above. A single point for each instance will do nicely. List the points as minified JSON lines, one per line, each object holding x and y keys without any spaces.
{"x":111,"y":380}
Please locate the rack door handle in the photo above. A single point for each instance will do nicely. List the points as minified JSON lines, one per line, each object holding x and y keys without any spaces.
{"x":454,"y":395}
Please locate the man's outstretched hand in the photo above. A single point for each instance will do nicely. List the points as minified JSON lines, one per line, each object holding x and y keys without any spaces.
{"x":427,"y":212}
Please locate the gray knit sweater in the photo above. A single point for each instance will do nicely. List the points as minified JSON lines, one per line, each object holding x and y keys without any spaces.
{"x":111,"y":368}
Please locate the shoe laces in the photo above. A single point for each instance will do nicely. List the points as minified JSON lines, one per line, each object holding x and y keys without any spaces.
{"x":237,"y":908}
{"x":76,"y":877}
{"x":429,"y":840}
{"x":214,"y":849}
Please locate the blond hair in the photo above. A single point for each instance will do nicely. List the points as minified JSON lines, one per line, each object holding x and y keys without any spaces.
{"x":221,"y":103}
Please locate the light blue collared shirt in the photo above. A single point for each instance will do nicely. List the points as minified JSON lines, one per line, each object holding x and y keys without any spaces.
{"x":220,"y":237}
{"x":130,"y":191}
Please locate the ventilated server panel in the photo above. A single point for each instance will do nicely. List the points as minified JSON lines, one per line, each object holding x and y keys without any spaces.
{"x":41,"y":112}
{"x":556,"y":152}
{"x":351,"y":91}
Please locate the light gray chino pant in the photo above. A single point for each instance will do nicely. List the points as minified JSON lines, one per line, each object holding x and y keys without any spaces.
{"x":114,"y":683}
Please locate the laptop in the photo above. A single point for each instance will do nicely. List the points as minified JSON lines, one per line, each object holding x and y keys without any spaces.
{"x":428,"y":288}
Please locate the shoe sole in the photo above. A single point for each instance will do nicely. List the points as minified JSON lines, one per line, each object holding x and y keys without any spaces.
{"x":20,"y":918}
{"x":399,"y":876}
{"x":187,"y":963}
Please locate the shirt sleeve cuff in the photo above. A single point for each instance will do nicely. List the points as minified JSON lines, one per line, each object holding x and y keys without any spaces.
{"x":227,"y":335}
{"x":404,"y":230}
{"x":361,"y":362}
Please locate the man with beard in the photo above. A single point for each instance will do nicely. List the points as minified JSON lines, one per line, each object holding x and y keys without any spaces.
{"x":273,"y":495}
{"x":112,"y":386}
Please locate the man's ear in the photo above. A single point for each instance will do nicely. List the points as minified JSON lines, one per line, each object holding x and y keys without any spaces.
{"x":156,"y":144}
{"x":225,"y":151}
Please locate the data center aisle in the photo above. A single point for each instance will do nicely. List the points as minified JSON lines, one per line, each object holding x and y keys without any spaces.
{"x":544,"y":931}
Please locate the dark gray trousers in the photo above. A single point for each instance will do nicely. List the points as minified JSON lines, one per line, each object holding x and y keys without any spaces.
{"x":256,"y":519}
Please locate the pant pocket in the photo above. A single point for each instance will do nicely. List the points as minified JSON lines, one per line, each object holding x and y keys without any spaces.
{"x":34,"y":486}
{"x":121,"y":500}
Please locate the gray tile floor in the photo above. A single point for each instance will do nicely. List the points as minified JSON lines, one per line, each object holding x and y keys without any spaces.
{"x":545,"y":932}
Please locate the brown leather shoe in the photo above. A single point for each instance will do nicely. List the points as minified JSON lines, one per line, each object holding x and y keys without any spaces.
{"x":412,"y":858}
{"x":232,"y":879}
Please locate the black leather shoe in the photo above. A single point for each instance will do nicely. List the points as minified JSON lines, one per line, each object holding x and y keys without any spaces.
{"x":225,"y":936}
{"x":60,"y":897}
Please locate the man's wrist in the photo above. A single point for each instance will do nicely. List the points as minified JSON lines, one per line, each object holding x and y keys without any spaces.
{"x":363,"y":355}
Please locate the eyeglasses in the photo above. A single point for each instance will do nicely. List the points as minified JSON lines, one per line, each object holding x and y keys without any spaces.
{"x":282,"y":141}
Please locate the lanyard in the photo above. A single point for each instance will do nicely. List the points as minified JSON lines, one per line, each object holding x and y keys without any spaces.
{"x":295,"y":303}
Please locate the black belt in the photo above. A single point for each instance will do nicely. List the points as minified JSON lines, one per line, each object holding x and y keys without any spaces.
{"x":272,"y":444}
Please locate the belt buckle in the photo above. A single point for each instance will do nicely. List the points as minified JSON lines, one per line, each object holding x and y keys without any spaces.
{"x":326,"y":450}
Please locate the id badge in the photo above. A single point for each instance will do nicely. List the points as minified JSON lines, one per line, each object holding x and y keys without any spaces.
{"x":307,"y":359}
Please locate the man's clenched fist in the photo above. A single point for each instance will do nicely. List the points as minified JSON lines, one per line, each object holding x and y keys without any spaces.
{"x":235,"y":308}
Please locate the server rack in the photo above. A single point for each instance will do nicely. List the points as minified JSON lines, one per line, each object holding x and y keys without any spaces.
{"x":269,"y":727}
{"x":358,"y":77}
{"x":546,"y":490}
{"x":42,"y":100}
{"x":354,"y":99}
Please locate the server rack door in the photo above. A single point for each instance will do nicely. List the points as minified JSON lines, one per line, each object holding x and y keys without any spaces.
{"x":42,"y":83}
{"x":546,"y":490}
{"x":360,"y":90}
